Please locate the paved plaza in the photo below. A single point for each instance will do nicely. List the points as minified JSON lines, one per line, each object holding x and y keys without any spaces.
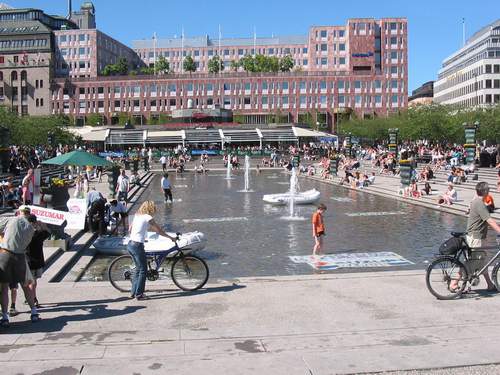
{"x":321,"y":324}
{"x":303,"y":322}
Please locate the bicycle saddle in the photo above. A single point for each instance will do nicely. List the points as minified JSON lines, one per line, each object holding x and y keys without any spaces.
{"x":458,"y":234}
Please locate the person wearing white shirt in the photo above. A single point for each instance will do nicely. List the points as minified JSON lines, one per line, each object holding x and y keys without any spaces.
{"x":122,"y":186}
{"x":119,"y":210}
{"x":167,"y":188}
{"x":143,"y":220}
{"x":163,"y":162}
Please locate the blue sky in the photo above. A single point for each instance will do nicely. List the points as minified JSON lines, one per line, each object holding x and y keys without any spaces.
{"x":435,"y":27}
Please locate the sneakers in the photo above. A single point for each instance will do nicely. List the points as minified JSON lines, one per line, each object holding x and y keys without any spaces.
{"x":13,"y":311}
{"x":4,"y":323}
{"x":35,"y":318}
{"x":141,"y":297}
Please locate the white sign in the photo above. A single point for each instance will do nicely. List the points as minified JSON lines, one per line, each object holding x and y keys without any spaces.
{"x":342,"y":199}
{"x":75,"y":217}
{"x":77,"y":213}
{"x":379,"y":213}
{"x":48,"y":216}
{"x":352,"y":260}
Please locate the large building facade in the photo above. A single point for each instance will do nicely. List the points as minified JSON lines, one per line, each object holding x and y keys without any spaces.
{"x":363,"y":44}
{"x":359,"y":68}
{"x":26,"y":59}
{"x":35,"y":48}
{"x":471,"y":76}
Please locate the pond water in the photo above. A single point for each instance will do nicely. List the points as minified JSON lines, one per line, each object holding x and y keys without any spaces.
{"x":247,"y":237}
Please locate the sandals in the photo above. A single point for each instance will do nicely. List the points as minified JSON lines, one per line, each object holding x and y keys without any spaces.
{"x":35,"y":318}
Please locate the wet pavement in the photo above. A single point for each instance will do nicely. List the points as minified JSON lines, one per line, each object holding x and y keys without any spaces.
{"x":247,"y":237}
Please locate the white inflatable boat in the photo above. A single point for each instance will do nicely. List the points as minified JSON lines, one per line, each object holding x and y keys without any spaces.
{"x":115,"y":245}
{"x":305,"y":197}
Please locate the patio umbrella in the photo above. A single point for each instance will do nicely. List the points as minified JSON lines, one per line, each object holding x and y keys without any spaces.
{"x":79,"y":158}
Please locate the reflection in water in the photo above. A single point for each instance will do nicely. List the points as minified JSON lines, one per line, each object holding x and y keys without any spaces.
{"x":260,"y":246}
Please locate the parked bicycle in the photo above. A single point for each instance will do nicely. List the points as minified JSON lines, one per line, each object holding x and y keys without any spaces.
{"x":458,"y":269}
{"x":188,"y":271}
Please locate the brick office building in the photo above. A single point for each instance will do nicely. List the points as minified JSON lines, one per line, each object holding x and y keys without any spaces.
{"x":359,"y":68}
{"x":36,"y":47}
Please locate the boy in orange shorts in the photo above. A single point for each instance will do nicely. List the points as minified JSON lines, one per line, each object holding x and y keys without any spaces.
{"x":318,"y":228}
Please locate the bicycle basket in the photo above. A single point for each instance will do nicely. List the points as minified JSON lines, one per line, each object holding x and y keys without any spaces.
{"x":451,"y":246}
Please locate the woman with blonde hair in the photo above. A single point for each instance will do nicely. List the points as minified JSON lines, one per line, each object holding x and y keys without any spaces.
{"x":143,"y":220}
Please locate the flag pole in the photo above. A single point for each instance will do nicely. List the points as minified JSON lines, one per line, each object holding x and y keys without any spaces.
{"x":254,"y":41}
{"x":182,"y":50}
{"x":154,"y":53}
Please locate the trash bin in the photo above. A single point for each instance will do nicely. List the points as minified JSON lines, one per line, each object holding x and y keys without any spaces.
{"x":484,"y":160}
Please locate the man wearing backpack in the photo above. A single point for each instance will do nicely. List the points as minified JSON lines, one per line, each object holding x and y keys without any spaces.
{"x":478,"y":222}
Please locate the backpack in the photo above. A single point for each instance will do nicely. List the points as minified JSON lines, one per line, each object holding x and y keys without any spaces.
{"x":451,"y":246}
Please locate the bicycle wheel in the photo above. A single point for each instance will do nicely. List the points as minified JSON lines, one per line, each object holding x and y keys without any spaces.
{"x":189,"y":272}
{"x":446,"y":278}
{"x":494,"y":275}
{"x":120,"y":273}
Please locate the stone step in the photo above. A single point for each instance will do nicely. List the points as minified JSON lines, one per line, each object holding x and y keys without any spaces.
{"x":80,"y":265}
{"x":59,"y":268}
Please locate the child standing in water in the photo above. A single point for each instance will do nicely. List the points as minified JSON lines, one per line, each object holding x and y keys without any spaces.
{"x":318,"y":229}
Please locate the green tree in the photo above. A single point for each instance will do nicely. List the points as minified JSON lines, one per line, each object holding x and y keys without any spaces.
{"x":286,"y":63}
{"x":189,"y":65}
{"x":122,"y":66}
{"x":235,"y":65}
{"x":33,"y":130}
{"x":147,"y":70}
{"x":215,"y":65}
{"x":93,"y":119}
{"x":248,"y":63}
{"x":162,"y":65}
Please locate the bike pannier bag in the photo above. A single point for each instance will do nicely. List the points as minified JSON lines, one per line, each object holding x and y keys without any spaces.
{"x":451,"y":246}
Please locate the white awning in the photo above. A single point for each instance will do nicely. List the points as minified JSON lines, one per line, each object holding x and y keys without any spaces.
{"x":306,"y":133}
{"x":165,"y":133}
{"x":95,"y":136}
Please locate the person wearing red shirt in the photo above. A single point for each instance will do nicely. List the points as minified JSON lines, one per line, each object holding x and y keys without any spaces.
{"x":318,"y":228}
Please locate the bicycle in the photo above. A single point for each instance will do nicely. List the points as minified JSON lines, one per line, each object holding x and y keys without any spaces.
{"x":188,"y":272}
{"x":448,"y":276}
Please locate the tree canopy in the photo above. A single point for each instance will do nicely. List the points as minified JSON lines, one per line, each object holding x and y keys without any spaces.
{"x":436,"y":123}
{"x":189,"y":64}
{"x":33,"y":130}
{"x":267,"y":64}
{"x":215,"y":65}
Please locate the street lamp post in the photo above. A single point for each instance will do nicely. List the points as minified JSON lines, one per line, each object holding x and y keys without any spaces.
{"x":393,"y":141}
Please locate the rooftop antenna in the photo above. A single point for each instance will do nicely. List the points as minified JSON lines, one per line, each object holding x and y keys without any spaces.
{"x":254,"y":41}
{"x":182,"y":50}
{"x":70,"y":9}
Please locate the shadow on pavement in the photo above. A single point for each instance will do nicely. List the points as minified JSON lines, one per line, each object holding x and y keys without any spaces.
{"x":179,"y":293}
{"x":91,"y":310}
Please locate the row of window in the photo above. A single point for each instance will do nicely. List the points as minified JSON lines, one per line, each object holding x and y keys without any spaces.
{"x":73,"y":38}
{"x":75,"y":52}
{"x":23,"y":43}
{"x":270,"y":86}
{"x":471,"y":88}
{"x":274,"y":101}
{"x":225,"y":52}
{"x":335,"y":33}
{"x":468,"y":75}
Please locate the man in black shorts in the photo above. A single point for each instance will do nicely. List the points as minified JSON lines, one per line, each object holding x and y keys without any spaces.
{"x":17,"y":234}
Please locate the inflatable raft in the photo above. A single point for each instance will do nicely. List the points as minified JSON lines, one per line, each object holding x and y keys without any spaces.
{"x":305,"y":197}
{"x":115,"y":245}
